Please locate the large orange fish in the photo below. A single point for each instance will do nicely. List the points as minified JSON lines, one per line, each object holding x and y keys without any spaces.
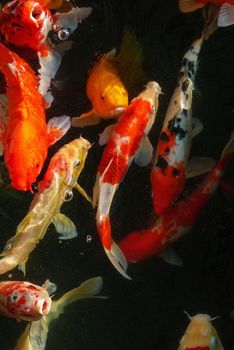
{"x":177,"y":220}
{"x":26,"y":24}
{"x":27,"y":137}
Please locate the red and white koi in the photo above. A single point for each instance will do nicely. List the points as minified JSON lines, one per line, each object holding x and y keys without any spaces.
{"x":177,"y":220}
{"x":128,"y":141}
{"x":26,"y":126}
{"x":200,"y":334}
{"x":23,"y":300}
{"x":35,"y":335}
{"x":26,"y":24}
{"x":55,"y":188}
{"x":171,"y":166}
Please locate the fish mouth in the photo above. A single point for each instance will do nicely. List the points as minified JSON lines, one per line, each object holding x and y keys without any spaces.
{"x":44,"y":306}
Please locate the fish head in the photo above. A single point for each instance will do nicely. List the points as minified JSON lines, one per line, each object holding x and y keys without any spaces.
{"x":25,"y":301}
{"x":167,"y":182}
{"x":24,"y":155}
{"x":114,"y":99}
{"x":25,"y":23}
{"x":200,"y":335}
{"x":67,"y":163}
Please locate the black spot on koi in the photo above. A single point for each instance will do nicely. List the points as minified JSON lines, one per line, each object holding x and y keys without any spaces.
{"x":163,"y":136}
{"x":162,"y":163}
{"x":185,"y":85}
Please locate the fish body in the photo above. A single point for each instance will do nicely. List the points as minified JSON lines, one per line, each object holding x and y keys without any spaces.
{"x":26,"y":128}
{"x":178,"y":219}
{"x":26,"y":24}
{"x":55,"y":188}
{"x":200,"y":335}
{"x":108,"y":84}
{"x":23,"y":300}
{"x":193,"y":5}
{"x":35,"y":335}
{"x":128,"y":141}
{"x":168,"y":173}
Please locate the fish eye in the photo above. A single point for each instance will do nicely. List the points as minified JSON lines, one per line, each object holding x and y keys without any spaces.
{"x":102,"y":97}
{"x":213,"y":342}
{"x":68,"y":195}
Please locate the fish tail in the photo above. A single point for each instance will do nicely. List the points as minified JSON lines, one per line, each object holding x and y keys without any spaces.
{"x":189,"y":5}
{"x":130,"y":55}
{"x":87,"y":289}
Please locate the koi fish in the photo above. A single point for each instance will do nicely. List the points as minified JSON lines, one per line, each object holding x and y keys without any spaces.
{"x":26,"y":24}
{"x":193,"y":5}
{"x":177,"y":220}
{"x":171,"y":166}
{"x":200,"y":335}
{"x":35,"y":335}
{"x":129,"y":140}
{"x":55,"y":188}
{"x":26,"y":128}
{"x":23,"y":300}
{"x":107,"y":86}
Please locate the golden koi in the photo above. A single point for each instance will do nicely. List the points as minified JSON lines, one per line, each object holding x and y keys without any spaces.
{"x":35,"y":335}
{"x":56,"y":187}
{"x":108,"y":84}
{"x":200,"y":335}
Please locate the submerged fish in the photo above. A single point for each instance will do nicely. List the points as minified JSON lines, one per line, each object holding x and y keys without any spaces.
{"x":55,"y":188}
{"x":129,"y":140}
{"x":35,"y":335}
{"x":193,"y":5}
{"x":26,"y":24}
{"x":200,"y":335}
{"x":171,"y":166}
{"x":23,"y":300}
{"x":26,"y":127}
{"x":177,"y":220}
{"x":109,"y":81}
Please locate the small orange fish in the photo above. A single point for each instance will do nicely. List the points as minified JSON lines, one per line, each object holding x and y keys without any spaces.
{"x":27,"y":138}
{"x":193,"y":5}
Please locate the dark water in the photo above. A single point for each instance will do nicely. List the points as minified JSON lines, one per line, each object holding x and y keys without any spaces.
{"x":147,"y":312}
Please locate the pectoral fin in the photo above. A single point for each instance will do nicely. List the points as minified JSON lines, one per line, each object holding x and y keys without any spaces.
{"x":226,"y":15}
{"x":83,"y":192}
{"x":64,"y":226}
{"x":49,"y":286}
{"x":145,"y":153}
{"x":189,"y":5}
{"x":57,"y":128}
{"x":106,"y":134}
{"x":38,"y":334}
{"x":199,"y":165}
{"x":197,"y":127}
{"x":171,"y":257}
{"x":86,"y":119}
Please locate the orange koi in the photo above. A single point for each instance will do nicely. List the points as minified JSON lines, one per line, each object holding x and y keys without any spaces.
{"x":24,"y":301}
{"x":27,"y":137}
{"x":129,"y":140}
{"x":193,"y":5}
{"x":26,"y":24}
{"x":178,"y":219}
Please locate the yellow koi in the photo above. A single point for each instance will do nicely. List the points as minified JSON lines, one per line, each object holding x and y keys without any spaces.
{"x":108,"y":84}
{"x":55,"y":188}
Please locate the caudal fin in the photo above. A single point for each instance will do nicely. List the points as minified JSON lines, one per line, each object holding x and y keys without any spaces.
{"x":117,"y":258}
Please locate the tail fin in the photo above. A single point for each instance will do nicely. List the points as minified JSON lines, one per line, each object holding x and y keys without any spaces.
{"x":130,"y":57}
